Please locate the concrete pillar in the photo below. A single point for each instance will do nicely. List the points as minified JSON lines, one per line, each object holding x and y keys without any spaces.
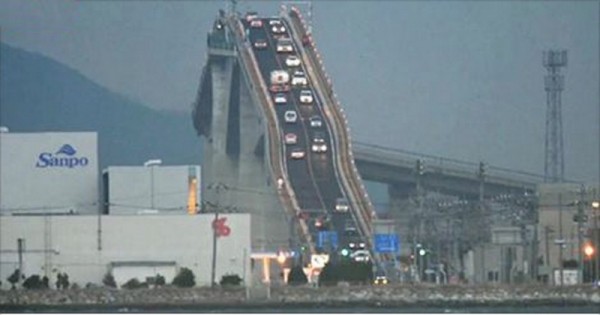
{"x":258,"y":194}
{"x":401,"y":211}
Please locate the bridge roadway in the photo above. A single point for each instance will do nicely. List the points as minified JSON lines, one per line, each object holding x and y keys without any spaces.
{"x":448,"y":176}
{"x":313,"y":178}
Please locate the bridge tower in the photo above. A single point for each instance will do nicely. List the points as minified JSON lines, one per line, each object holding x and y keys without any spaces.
{"x":554,"y":164}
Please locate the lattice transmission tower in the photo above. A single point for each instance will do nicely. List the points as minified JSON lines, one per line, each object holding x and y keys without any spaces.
{"x":554,"y":162}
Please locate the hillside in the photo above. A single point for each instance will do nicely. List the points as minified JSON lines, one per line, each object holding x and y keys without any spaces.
{"x":40,"y":94}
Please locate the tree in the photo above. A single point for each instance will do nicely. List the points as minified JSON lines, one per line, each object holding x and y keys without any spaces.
{"x":159,"y":280}
{"x":297,"y":276}
{"x":14,"y":278}
{"x":109,"y":280}
{"x":185,"y":278}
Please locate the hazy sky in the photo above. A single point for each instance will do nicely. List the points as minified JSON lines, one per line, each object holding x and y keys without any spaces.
{"x":459,"y":79}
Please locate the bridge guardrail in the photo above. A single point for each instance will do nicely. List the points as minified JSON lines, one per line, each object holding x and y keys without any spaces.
{"x":250,"y":68}
{"x":448,"y":166}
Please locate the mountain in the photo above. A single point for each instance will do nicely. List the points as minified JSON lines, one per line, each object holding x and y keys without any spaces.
{"x":40,"y":94}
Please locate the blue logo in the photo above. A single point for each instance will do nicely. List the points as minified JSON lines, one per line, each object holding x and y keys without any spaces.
{"x":66,"y":149}
{"x":64,"y":157}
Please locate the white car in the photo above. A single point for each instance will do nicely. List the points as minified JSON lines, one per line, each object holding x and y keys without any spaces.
{"x":292,"y":61}
{"x":290,"y":138}
{"x":298,"y":78}
{"x":342,"y":205}
{"x":297,"y":153}
{"x":280,"y":98}
{"x":315,"y":121}
{"x":290,"y":116}
{"x":306,"y":97}
{"x":318,"y":145}
{"x":284,"y":45}
{"x":277,"y":27}
{"x":361,"y":255}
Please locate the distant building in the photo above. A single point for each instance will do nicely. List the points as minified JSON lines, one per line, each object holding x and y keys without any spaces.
{"x":151,"y":189}
{"x":48,"y":172}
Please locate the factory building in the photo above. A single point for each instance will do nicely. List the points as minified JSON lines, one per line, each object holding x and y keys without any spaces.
{"x":57,"y":216}
{"x":151,"y":188}
{"x":49,"y":172}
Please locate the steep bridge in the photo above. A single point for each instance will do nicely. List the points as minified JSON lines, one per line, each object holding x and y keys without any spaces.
{"x":283,"y":152}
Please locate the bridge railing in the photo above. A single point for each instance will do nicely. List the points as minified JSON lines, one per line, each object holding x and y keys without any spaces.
{"x":441,"y":165}
{"x":275,"y":157}
{"x":359,"y":198}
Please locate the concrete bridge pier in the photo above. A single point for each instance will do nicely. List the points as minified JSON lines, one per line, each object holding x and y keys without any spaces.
{"x":236,"y":175}
{"x":402,"y":210}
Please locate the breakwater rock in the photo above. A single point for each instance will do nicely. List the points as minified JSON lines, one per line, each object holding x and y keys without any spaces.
{"x":379,"y":296}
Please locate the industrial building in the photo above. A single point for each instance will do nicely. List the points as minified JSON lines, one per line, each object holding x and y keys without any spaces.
{"x":56,"y":216}
{"x":151,"y":188}
{"x":49,"y":172}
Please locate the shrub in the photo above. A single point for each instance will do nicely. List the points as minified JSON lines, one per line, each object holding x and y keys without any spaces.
{"x":34,"y":282}
{"x":184,"y":279}
{"x":329,"y":275}
{"x":14,"y":278}
{"x":159,"y":280}
{"x":297,"y":276}
{"x":133,"y":284}
{"x":109,"y":280}
{"x":230,"y":280}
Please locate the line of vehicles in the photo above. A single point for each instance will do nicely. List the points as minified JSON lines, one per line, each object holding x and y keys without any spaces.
{"x":289,"y":85}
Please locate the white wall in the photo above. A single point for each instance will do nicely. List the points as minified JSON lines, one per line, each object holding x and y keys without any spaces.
{"x":28,"y":184}
{"x":73,"y":240}
{"x":137,"y":188}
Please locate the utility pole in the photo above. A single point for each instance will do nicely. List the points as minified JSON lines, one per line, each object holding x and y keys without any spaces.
{"x":420,"y":170}
{"x":561,"y":241}
{"x":217,"y":187}
{"x":580,"y":214}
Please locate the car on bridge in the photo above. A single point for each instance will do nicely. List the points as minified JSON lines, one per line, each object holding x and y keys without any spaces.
{"x":306,"y":97}
{"x":361,"y":255}
{"x":251,"y":15}
{"x":284,"y":45}
{"x":315,"y":121}
{"x":290,"y":138}
{"x":292,"y":61}
{"x":280,"y":98}
{"x":318,"y":145}
{"x":277,"y":27}
{"x":290,"y":116}
{"x":276,"y":88}
{"x":297,"y":153}
{"x":260,"y":43}
{"x":299,"y":78}
{"x":342,"y":205}
{"x":256,"y":23}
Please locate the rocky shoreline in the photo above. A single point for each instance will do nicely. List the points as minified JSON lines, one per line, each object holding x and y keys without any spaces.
{"x":299,"y":297}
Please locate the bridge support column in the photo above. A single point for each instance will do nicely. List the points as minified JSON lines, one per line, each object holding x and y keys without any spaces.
{"x":401,"y":211}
